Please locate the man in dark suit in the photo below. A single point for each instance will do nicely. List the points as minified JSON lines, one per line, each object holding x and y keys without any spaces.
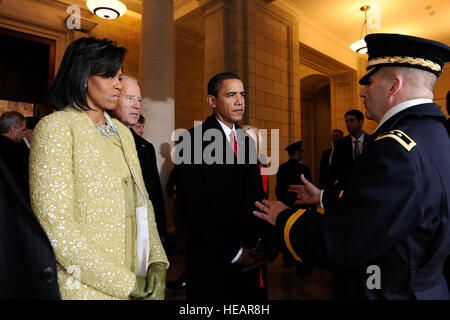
{"x":27,"y":261}
{"x":31,"y":122}
{"x":348,"y":148}
{"x":325,"y":160}
{"x":388,"y":233}
{"x":218,"y":182}
{"x":139,"y":126}
{"x":15,"y":154}
{"x":128,"y":111}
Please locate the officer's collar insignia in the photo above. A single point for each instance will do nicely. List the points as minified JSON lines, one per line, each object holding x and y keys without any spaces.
{"x":400,"y":137}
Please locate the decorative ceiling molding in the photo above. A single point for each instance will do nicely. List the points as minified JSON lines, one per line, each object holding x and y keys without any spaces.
{"x":183,"y":7}
{"x":193,"y":21}
{"x":320,"y":62}
{"x":61,"y":6}
{"x":52,"y":3}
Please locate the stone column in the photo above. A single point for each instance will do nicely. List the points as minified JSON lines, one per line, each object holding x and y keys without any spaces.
{"x":219,"y":35}
{"x":217,"y":15}
{"x":157,"y":80}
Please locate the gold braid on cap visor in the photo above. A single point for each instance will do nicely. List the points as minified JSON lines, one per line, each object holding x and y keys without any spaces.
{"x":410,"y":60}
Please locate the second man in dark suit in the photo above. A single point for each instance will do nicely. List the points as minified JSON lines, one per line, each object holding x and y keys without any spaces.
{"x":348,"y":148}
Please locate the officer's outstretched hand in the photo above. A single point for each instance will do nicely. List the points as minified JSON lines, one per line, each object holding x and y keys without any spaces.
{"x":156,"y":281}
{"x":306,"y":194}
{"x":269,"y":210}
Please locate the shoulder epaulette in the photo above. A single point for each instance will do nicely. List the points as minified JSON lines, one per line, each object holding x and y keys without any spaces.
{"x":400,"y":137}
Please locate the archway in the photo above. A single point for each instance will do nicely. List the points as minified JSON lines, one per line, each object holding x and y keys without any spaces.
{"x":315,"y":119}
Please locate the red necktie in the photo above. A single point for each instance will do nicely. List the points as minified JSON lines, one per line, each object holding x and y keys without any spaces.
{"x":264,"y":177}
{"x":233,"y":143}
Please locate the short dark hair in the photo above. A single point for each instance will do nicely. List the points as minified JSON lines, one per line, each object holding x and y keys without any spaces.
{"x":340,"y":132}
{"x":358,"y":114}
{"x":215,"y":83}
{"x":83,"y":58}
{"x":141,"y":119}
{"x":10,"y":119}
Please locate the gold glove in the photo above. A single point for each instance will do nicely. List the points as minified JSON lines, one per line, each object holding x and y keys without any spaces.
{"x":139,"y":290}
{"x":156,"y":281}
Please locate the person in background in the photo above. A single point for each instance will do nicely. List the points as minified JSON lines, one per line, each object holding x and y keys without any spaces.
{"x":139,"y":126}
{"x":14,"y":153}
{"x":31,"y":122}
{"x":347,"y":149}
{"x":325,"y":160}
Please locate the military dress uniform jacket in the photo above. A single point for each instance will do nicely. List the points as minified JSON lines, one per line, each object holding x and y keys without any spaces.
{"x":394,"y":214}
{"x":218,"y":200}
{"x":289,"y":173}
{"x":80,"y":202}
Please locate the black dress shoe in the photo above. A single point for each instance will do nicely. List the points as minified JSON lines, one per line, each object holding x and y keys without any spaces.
{"x":177,"y":285}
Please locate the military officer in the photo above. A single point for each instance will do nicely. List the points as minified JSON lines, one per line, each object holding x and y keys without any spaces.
{"x":387,"y":234}
{"x":290,"y":172}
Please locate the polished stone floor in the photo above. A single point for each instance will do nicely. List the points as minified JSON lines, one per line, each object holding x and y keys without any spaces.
{"x":283,"y":282}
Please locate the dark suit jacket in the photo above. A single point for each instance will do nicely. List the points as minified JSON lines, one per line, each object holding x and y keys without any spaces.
{"x":16,"y":157}
{"x":324,"y":170}
{"x":147,"y":160}
{"x":218,"y":201}
{"x":342,"y":160}
{"x":393,"y":213}
{"x":27,"y":261}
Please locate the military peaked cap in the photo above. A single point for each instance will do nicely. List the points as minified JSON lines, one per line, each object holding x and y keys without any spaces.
{"x":396,"y":50}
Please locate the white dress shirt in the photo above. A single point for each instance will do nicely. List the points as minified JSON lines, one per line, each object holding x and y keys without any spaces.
{"x":227,"y":130}
{"x":400,"y":107}
{"x":360,"y":143}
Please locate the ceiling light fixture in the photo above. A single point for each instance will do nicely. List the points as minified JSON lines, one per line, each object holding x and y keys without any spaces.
{"x":107,"y":9}
{"x":360,"y":46}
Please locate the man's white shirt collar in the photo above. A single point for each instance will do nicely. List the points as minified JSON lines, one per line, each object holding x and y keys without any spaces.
{"x":360,"y":139}
{"x":26,"y":142}
{"x":400,"y":107}
{"x":227,"y":130}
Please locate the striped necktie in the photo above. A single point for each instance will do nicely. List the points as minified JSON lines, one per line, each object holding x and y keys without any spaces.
{"x":356,"y":151}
